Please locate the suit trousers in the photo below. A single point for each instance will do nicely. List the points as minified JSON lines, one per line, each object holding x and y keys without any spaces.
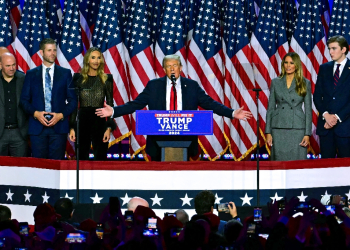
{"x":13,"y":144}
{"x":48,"y":144}
{"x":92,"y":129}
{"x":332,"y":145}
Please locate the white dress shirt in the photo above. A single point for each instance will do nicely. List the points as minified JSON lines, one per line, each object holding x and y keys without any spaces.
{"x":169,"y":85}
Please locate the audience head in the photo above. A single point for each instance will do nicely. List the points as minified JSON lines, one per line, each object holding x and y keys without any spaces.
{"x":232,"y":230}
{"x":64,"y":207}
{"x":182,"y":216}
{"x":204,"y":202}
{"x":44,"y":216}
{"x":5,"y":213}
{"x":8,"y":65}
{"x":136,"y":201}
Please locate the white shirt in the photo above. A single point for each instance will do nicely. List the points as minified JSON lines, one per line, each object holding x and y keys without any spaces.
{"x":52,"y":69}
{"x":169,"y":85}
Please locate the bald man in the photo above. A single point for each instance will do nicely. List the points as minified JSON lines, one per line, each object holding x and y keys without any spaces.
{"x":13,"y":120}
{"x":2,"y":51}
{"x":136,"y":201}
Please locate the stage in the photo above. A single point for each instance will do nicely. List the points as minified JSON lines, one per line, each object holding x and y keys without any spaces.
{"x":27,"y":182}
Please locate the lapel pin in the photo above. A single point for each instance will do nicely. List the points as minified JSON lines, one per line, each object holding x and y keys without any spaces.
{"x":186,"y":85}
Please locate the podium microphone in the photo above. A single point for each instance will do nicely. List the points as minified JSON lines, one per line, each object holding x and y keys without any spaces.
{"x":172,"y":78}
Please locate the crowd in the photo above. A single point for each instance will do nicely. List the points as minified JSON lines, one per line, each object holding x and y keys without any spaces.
{"x":290,"y":226}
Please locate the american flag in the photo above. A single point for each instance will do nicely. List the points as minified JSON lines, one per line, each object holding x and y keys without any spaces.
{"x":309,"y":42}
{"x":191,"y":13}
{"x":205,"y":65}
{"x":15,"y":14}
{"x":340,"y":20}
{"x":88,"y":15}
{"x":139,"y":59}
{"x":325,"y":15}
{"x":32,"y":29}
{"x":290,"y":14}
{"x":239,"y":80}
{"x":107,"y":36}
{"x":70,"y":49}
{"x":250,"y":16}
{"x":269,"y":45}
{"x":6,"y":38}
{"x":171,"y":39}
{"x":54,"y":18}
{"x":156,"y":15}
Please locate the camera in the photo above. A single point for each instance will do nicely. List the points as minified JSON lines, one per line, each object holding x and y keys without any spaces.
{"x":257,"y":214}
{"x":223,"y":207}
{"x":99,"y":231}
{"x":151,"y":229}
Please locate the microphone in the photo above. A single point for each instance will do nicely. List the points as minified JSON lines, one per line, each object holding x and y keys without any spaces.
{"x":172,"y":78}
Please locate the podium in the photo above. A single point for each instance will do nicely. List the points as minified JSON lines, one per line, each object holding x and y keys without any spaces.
{"x":174,"y":123}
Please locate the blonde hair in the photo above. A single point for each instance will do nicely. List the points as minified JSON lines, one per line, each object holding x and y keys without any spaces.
{"x":300,"y":87}
{"x":100,"y":71}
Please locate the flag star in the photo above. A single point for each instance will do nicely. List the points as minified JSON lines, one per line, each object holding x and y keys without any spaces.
{"x":328,"y":196}
{"x":96,"y":199}
{"x":27,"y":196}
{"x":302,"y":198}
{"x":217,"y":199}
{"x":9,"y":195}
{"x":276,"y":198}
{"x":125,"y":199}
{"x":156,"y":200}
{"x":66,"y":196}
{"x":246,"y":199}
{"x":186,"y":200}
{"x":45,"y":198}
{"x":348,"y":195}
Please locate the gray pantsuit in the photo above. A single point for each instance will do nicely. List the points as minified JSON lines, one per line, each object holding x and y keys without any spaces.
{"x":286,"y":121}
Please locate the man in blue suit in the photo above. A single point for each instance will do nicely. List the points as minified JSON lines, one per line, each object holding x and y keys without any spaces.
{"x":48,"y":100}
{"x":332,"y":100}
{"x":158,"y":96}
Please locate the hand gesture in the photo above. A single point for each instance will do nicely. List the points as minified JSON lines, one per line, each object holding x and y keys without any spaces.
{"x":72,"y":135}
{"x":56,"y":117}
{"x":40,"y":116}
{"x":242,"y":114}
{"x":269,"y":139}
{"x":106,"y":111}
{"x":107,"y":135}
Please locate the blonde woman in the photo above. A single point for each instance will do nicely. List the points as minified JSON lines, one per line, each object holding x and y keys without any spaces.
{"x":96,"y":87}
{"x":288,"y":126}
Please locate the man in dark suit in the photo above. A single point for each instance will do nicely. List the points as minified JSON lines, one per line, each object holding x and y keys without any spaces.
{"x":158,"y":96}
{"x":332,"y":100}
{"x":47,"y":98}
{"x":13,"y":120}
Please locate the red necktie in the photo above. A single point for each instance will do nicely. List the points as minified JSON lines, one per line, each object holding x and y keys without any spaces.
{"x":173,"y":98}
{"x":336,"y":76}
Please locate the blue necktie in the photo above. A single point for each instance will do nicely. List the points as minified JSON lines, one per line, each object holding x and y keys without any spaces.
{"x":48,"y":91}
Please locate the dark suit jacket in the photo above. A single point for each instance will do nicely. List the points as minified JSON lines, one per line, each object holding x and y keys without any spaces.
{"x":154,"y":95}
{"x":285,"y":107}
{"x":22,"y":117}
{"x":32,"y":98}
{"x":335,"y":101}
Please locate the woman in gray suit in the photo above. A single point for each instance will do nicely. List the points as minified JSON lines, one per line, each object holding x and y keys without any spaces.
{"x":288,"y":127}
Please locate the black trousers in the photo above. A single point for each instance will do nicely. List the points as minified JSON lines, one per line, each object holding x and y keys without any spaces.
{"x":92,"y":129}
{"x":332,"y":145}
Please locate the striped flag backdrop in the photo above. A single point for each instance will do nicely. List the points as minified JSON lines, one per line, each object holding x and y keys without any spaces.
{"x":269,"y":45}
{"x":239,"y":79}
{"x":310,"y":43}
{"x":205,"y":65}
{"x":196,"y":30}
{"x":107,"y":36}
{"x":139,"y":59}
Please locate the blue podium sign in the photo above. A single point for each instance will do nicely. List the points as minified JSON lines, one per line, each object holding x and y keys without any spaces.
{"x":179,"y":122}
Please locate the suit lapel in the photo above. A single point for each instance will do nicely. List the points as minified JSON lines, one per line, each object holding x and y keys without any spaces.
{"x":344,"y":74}
{"x":39,"y":76}
{"x":285,"y":90}
{"x":56,"y":78}
{"x":184,"y":93}
{"x":2,"y":95}
{"x":163,"y":93}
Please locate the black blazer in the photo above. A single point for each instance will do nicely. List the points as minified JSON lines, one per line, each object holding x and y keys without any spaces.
{"x":22,"y":117}
{"x":335,"y":101}
{"x":154,"y":95}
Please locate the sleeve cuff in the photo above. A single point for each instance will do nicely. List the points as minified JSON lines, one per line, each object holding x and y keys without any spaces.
{"x":112,"y":114}
{"x":337,"y":117}
{"x":233,"y":114}
{"x":326,"y":112}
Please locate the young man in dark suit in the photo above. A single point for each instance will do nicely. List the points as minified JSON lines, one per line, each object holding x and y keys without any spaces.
{"x":157,"y":95}
{"x":48,"y":99}
{"x":332,"y":100}
{"x":13,"y":120}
